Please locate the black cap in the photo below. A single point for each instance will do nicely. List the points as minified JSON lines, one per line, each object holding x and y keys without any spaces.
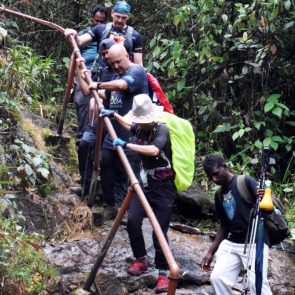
{"x":106,"y":44}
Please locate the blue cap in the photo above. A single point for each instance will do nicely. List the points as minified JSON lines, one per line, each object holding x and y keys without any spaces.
{"x":106,"y":44}
{"x":122,"y":7}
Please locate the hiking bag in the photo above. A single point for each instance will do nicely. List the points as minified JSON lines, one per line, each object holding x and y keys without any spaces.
{"x":183,"y":149}
{"x":274,"y":222}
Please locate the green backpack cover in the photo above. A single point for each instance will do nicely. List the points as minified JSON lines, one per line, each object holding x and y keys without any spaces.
{"x":183,"y":149}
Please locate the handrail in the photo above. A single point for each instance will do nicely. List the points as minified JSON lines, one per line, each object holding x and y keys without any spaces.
{"x":173,"y":267}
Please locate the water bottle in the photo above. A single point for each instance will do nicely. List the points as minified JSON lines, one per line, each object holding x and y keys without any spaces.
{"x":266,"y":203}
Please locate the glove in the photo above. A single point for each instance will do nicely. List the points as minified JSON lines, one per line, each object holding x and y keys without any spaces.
{"x":107,"y":113}
{"x":120,"y":142}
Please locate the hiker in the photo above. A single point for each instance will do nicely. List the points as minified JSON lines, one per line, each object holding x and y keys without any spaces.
{"x":154,"y":145}
{"x":118,"y":30}
{"x":87,"y":143}
{"x":129,"y":81}
{"x":234,"y":213}
{"x":98,"y":16}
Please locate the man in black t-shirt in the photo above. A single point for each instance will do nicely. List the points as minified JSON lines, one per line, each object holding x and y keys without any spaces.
{"x":118,"y":30}
{"x":154,"y":145}
{"x":234,"y":213}
{"x":129,"y":81}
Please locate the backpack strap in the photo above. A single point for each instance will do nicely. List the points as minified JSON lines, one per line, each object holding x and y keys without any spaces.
{"x":243,"y":189}
{"x":106,"y":31}
{"x":129,"y":32}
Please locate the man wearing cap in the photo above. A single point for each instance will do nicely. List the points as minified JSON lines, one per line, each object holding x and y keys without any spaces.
{"x":129,"y":81}
{"x":118,"y":30}
{"x":154,"y":145}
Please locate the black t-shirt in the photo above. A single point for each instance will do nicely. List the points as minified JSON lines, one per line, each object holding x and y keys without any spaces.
{"x":121,"y":100}
{"x":233,"y":210}
{"x":158,"y":137}
{"x":119,"y":36}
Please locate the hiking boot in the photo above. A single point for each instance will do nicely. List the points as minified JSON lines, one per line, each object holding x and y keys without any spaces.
{"x":109,"y":213}
{"x":137,"y":267}
{"x":162,"y":284}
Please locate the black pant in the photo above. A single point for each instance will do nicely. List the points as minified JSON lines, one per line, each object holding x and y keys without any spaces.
{"x":81,"y":103}
{"x":160,"y":195}
{"x":114,"y":180}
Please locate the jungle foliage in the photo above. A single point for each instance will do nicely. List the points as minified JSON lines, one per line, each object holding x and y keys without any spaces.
{"x":228,"y":66}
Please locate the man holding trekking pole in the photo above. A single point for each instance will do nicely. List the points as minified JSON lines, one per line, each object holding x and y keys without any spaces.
{"x":234,"y":213}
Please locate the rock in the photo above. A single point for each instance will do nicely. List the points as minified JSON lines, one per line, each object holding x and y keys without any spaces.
{"x":195,"y":203}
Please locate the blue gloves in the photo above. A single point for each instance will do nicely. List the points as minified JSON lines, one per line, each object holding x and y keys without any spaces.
{"x":107,"y":113}
{"x":120,"y":142}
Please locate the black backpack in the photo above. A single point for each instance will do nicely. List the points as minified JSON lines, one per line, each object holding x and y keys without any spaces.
{"x":274,"y":222}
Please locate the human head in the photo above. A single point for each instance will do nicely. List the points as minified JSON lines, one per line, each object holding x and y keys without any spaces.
{"x":99,"y":15}
{"x":120,"y":14}
{"x":143,"y":111}
{"x":216,"y":169}
{"x":104,"y":47}
{"x":119,"y":58}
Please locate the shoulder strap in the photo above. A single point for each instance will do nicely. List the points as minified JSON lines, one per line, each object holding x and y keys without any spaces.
{"x":129,"y":37}
{"x":243,"y":189}
{"x":106,"y":31}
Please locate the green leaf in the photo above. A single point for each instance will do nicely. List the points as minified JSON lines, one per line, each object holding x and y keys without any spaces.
{"x":258,"y":144}
{"x":274,"y":145}
{"x":176,"y":20}
{"x":277,"y":138}
{"x":222,"y":128}
{"x":268,"y":106}
{"x":267,"y":141}
{"x":273,"y":98}
{"x":287,"y":5}
{"x":180,"y":84}
{"x":156,"y":65}
{"x":235,"y":135}
{"x":241,"y":132}
{"x":224,"y":18}
{"x":291,"y":123}
{"x":277,"y":111}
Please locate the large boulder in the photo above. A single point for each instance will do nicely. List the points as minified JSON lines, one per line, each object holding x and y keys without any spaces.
{"x":195,"y":203}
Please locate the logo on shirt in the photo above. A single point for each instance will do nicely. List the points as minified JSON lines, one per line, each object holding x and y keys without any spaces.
{"x":115,"y":101}
{"x":129,"y":79}
{"x":229,"y":205}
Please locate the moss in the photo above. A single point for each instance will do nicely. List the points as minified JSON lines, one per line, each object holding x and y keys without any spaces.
{"x":73,"y":156}
{"x":35,"y":132}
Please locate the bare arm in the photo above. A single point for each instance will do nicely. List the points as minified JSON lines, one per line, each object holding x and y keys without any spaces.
{"x":146,"y":150}
{"x":111,"y":85}
{"x":222,"y":233}
{"x":82,"y":40}
{"x":137,"y":59}
{"x":126,"y":124}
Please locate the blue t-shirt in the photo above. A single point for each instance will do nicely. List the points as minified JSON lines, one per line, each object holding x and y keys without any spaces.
{"x":121,"y":100}
{"x":88,"y":52}
{"x":119,"y":36}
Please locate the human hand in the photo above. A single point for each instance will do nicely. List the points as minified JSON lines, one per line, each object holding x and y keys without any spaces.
{"x":120,"y":142}
{"x":79,"y":62}
{"x":70,"y":32}
{"x":92,"y":85}
{"x":206,"y":262}
{"x":260,"y":193}
{"x":107,"y":113}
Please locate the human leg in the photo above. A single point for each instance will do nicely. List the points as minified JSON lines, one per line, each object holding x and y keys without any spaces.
{"x":227,"y":267}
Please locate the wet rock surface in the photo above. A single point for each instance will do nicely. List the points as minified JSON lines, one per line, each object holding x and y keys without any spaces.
{"x":75,"y":259}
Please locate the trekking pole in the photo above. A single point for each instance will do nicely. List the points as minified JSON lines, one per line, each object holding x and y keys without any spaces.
{"x":265,"y":156}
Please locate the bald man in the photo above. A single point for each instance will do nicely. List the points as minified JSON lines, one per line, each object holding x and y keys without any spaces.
{"x":130,"y":80}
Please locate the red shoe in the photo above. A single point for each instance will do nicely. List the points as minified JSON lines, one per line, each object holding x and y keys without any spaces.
{"x":162,"y":284}
{"x":137,"y":268}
